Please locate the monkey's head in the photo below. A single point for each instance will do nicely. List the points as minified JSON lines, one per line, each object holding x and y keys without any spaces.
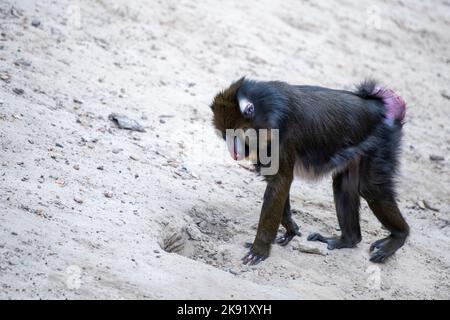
{"x":227,"y":115}
{"x":239,"y":108}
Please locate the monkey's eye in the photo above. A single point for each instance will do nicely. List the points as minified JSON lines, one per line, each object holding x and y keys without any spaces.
{"x":249,"y":111}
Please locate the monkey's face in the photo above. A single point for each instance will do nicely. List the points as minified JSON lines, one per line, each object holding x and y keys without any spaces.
{"x":231,"y":122}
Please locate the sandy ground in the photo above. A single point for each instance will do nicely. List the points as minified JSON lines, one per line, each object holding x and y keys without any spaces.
{"x":88,"y":210}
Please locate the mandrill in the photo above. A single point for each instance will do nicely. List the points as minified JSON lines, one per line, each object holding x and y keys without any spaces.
{"x":312,"y":131}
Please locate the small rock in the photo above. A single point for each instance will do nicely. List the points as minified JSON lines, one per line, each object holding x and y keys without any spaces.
{"x":445,"y":95}
{"x":311,"y":250}
{"x":123,"y":122}
{"x":5,"y":77}
{"x":76,"y":167}
{"x":133,"y":157}
{"x":22,"y":62}
{"x":35,"y":22}
{"x":423,"y":204}
{"x":100,"y":168}
{"x":108,"y":194}
{"x":60,"y":182}
{"x":233,"y":272}
{"x":116,"y":151}
{"x":162,"y":121}
{"x":156,"y":251}
{"x":78,"y":101}
{"x":18,"y":91}
{"x":434,"y":157}
{"x":78,"y":200}
{"x":59,"y":145}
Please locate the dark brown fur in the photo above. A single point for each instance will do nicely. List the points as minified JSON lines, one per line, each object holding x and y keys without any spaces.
{"x":321,"y":131}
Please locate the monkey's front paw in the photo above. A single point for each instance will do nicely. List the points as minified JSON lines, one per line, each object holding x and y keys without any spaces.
{"x":333,"y":242}
{"x":286,"y":238}
{"x":252,"y":258}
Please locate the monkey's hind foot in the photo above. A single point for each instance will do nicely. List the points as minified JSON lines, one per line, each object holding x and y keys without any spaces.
{"x":333,"y":242}
{"x":252,"y":258}
{"x":385,"y":248}
{"x":287,"y":237}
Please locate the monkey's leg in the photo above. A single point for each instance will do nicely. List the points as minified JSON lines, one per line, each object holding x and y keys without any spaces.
{"x":275,"y":198}
{"x":289,"y":224}
{"x":380,"y":197}
{"x":346,"y":198}
{"x":387,"y":212}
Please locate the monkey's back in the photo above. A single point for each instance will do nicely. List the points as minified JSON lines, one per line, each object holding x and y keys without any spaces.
{"x":330,"y":127}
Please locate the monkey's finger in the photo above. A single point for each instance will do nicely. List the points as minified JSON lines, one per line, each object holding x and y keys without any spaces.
{"x":284,"y":240}
{"x":247,"y":258}
{"x":256,"y":260}
{"x":378,"y":256}
{"x":377,"y":244}
{"x":317,"y":237}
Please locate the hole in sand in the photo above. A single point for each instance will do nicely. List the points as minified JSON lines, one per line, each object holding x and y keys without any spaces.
{"x":203,"y":239}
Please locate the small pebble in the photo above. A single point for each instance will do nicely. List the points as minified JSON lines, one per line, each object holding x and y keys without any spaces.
{"x":18,"y":91}
{"x":35,"y":22}
{"x":108,"y":194}
{"x":434,"y":157}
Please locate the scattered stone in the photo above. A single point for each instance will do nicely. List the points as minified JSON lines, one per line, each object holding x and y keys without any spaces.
{"x":35,"y":22}
{"x":18,"y":91}
{"x":423,"y":204}
{"x":435,"y":157}
{"x":162,"y":121}
{"x":78,"y":101}
{"x":5,"y":77}
{"x":78,"y":200}
{"x":233,"y":272}
{"x":156,"y":251}
{"x":22,"y":62}
{"x":116,"y":151}
{"x":445,"y":95}
{"x":133,"y":157}
{"x":124,"y":122}
{"x":308,"y":249}
{"x":76,"y":167}
{"x":108,"y":194}
{"x":100,"y":168}
{"x":30,"y":141}
{"x":59,"y":145}
{"x":60,"y":182}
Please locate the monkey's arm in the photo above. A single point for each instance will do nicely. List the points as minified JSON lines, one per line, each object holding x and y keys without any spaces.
{"x":275,"y":197}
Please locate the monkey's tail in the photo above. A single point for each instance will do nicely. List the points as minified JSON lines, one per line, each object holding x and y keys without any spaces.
{"x":395,"y":105}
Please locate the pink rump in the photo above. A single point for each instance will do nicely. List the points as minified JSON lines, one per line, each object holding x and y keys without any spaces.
{"x":395,"y":105}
